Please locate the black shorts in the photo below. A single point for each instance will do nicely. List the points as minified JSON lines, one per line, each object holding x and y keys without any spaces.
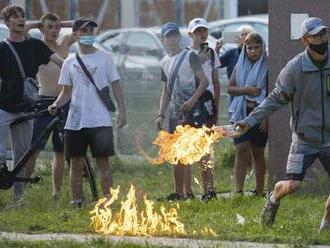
{"x":99,"y":139}
{"x":254,"y":135}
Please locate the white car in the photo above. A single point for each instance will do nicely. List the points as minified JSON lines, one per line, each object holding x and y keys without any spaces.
{"x":258,"y":22}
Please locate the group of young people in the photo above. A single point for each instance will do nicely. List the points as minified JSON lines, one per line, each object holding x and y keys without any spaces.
{"x":303,"y":83}
{"x":189,"y":73}
{"x":89,"y":122}
{"x":190,"y":95}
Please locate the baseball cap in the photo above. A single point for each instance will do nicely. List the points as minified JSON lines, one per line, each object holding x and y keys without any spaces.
{"x":312,"y":25}
{"x":82,"y":22}
{"x":196,"y":23}
{"x":169,"y":27}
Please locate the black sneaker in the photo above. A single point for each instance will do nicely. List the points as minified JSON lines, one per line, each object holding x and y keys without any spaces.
{"x":190,"y":196}
{"x":254,"y":193}
{"x":172,"y":197}
{"x":269,"y":211}
{"x":209,"y":196}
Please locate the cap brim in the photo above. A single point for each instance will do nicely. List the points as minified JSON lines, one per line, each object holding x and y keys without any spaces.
{"x":170,"y":31}
{"x":317,"y":29}
{"x":89,"y":23}
{"x":198,"y":26}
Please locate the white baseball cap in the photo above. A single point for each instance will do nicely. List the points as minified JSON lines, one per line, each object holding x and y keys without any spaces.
{"x":312,"y":25}
{"x":196,"y":23}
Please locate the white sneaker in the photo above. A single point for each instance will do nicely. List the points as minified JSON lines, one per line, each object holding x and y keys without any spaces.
{"x":325,"y":224}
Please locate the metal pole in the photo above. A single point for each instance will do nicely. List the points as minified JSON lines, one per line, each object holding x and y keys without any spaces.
{"x":208,"y":9}
{"x":101,"y":12}
{"x":179,"y":12}
{"x":73,"y":9}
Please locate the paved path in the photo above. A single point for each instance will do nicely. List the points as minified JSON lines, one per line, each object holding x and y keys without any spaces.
{"x":157,"y":241}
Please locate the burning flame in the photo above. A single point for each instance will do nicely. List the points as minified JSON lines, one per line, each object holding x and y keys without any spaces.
{"x":129,"y":221}
{"x":186,"y":145}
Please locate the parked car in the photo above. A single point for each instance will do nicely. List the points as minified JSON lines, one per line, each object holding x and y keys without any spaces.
{"x":4,"y":32}
{"x":258,"y":22}
{"x":137,"y":53}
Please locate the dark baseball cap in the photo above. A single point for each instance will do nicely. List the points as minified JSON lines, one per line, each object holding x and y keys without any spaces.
{"x":82,"y":22}
{"x":169,"y":27}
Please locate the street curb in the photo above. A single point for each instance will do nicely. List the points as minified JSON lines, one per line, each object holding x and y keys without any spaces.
{"x":156,"y":241}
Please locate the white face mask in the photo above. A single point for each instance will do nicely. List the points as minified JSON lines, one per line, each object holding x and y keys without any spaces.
{"x":88,"y":40}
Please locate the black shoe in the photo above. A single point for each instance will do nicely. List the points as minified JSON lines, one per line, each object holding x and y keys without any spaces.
{"x":254,"y":193}
{"x":172,"y":197}
{"x":190,"y":196}
{"x":209,"y":196}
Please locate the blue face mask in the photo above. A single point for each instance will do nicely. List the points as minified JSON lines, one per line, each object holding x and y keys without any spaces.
{"x":87,"y":40}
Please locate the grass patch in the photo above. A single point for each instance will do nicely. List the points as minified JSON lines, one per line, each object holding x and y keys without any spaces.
{"x":296,"y":224}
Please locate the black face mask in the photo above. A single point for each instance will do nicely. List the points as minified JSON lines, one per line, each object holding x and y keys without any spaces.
{"x":320,"y":48}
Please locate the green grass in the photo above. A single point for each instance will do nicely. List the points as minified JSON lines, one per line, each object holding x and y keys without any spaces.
{"x":296,"y":224}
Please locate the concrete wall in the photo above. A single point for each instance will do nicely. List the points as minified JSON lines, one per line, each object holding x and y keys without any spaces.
{"x":281,"y":50}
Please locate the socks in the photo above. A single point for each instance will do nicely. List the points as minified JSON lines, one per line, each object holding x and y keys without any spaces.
{"x":272,"y":198}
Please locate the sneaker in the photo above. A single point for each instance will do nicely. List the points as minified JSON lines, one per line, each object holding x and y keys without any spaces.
{"x":268,"y":213}
{"x":325,"y":224}
{"x":172,"y":197}
{"x":254,"y":193}
{"x":209,"y":196}
{"x":77,"y":204}
{"x":190,"y":196}
{"x":239,"y":192}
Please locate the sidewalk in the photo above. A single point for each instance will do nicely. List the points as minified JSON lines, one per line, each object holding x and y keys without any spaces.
{"x":157,"y":241}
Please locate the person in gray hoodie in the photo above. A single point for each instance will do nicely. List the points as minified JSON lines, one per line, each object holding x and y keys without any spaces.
{"x":304,"y":83}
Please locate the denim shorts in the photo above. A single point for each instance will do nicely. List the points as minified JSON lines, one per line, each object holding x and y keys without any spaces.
{"x":98,"y":139}
{"x":302,"y":156}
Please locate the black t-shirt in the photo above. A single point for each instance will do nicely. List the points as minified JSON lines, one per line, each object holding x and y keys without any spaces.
{"x":33,"y":53}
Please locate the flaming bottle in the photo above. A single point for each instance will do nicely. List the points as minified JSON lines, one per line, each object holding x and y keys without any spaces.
{"x":229,"y":130}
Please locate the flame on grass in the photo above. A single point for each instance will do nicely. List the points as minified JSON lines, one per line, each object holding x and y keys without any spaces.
{"x":186,"y":145}
{"x":129,"y":220}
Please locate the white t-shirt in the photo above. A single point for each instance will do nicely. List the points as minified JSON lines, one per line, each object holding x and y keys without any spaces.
{"x":87,"y":110}
{"x":208,"y":68}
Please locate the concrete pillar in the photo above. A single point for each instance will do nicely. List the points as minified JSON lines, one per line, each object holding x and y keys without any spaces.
{"x":230,"y":8}
{"x":130,"y":12}
{"x":281,"y":50}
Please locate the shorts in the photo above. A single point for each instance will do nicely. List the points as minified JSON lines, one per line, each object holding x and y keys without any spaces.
{"x":302,"y":156}
{"x":40,"y":124}
{"x":254,"y":135}
{"x":99,"y":139}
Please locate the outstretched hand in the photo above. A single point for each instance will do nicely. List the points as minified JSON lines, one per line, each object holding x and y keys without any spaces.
{"x":242,"y":126}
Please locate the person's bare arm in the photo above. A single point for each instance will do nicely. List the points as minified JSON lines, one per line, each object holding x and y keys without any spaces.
{"x":202,"y":86}
{"x":68,"y":39}
{"x":119,"y":96}
{"x":217,"y":89}
{"x":56,"y":59}
{"x":164,"y":100}
{"x":62,"y":99}
{"x":31,"y":25}
{"x":66,"y":24}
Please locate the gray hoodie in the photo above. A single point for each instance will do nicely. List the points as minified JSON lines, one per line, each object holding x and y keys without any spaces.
{"x":307,"y":89}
